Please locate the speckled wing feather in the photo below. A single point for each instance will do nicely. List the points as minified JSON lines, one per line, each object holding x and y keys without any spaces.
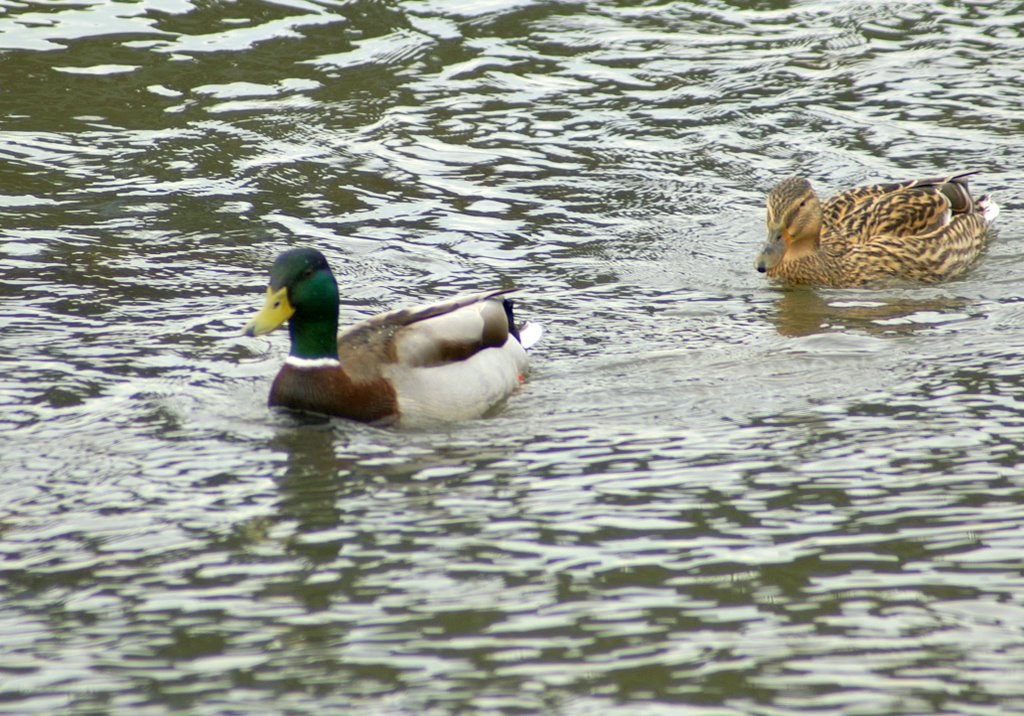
{"x":916,"y":207}
{"x":944,"y":251}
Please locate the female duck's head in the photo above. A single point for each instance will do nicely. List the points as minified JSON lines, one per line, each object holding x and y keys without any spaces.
{"x":794,"y":223}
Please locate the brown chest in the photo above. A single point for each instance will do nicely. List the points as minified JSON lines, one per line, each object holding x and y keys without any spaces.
{"x":329,"y":390}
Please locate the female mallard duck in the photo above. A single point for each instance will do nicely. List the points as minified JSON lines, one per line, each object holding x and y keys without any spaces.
{"x":922,"y":230}
{"x":446,"y":361}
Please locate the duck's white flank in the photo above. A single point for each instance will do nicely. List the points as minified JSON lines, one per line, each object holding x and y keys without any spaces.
{"x":307,"y":363}
{"x":458,"y":391}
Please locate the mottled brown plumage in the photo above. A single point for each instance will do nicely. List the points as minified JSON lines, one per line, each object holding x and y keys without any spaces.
{"x":923,"y":230}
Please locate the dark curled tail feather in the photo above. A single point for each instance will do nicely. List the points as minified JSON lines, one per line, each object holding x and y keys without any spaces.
{"x":509,"y":313}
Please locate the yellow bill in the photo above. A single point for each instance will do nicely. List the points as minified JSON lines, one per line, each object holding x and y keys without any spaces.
{"x":276,"y":310}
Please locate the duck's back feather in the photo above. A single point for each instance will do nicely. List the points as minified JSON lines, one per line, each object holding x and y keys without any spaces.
{"x":448,"y":332}
{"x":453,"y":336}
{"x":909,"y":208}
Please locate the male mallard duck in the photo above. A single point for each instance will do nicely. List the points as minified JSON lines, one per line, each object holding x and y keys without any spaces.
{"x":446,"y":361}
{"x":922,"y":230}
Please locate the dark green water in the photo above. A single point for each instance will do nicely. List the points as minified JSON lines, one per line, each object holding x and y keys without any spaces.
{"x":712,"y":497}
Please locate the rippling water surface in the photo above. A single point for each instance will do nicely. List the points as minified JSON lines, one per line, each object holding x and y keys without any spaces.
{"x":711,"y":494}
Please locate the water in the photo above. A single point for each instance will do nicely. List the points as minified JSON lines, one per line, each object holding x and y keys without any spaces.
{"x":711,"y":497}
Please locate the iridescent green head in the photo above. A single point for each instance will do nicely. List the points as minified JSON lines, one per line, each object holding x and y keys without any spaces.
{"x":303,"y":292}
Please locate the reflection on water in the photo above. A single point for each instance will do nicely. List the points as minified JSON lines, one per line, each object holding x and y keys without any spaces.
{"x":803,"y":312}
{"x":710,"y":494}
